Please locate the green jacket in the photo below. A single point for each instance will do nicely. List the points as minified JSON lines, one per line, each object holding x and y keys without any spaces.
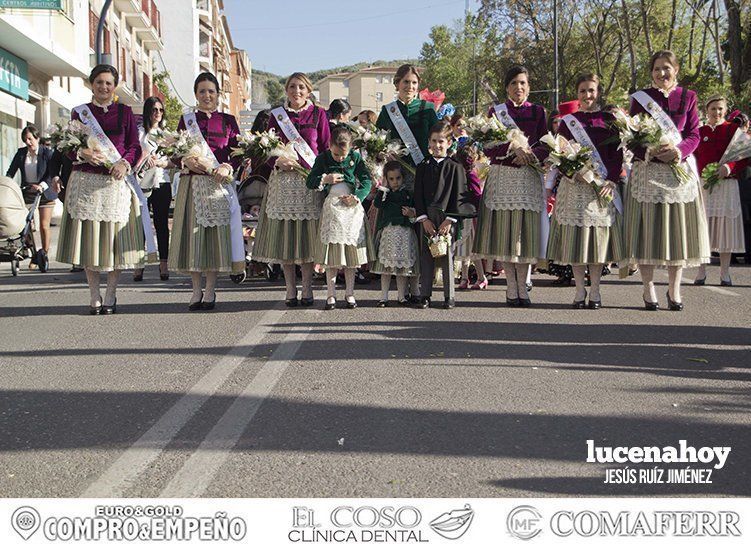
{"x":420,"y":116}
{"x":390,"y":208}
{"x":356,"y":174}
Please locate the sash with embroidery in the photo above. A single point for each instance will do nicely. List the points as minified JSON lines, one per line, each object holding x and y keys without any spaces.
{"x":581,"y":136}
{"x":405,"y":133}
{"x":658,"y":114}
{"x":113,"y":155}
{"x":235,"y":220}
{"x":290,"y":131}
{"x":502,"y":114}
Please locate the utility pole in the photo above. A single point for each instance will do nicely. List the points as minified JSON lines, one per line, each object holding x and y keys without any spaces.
{"x":556,"y":83}
{"x":101,"y":56}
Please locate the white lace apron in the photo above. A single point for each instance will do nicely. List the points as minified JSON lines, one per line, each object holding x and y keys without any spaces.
{"x":577,"y":205}
{"x":655,"y":183}
{"x":724,"y":200}
{"x":209,"y":201}
{"x":397,"y":247}
{"x":288,"y":197}
{"x":98,"y":197}
{"x":342,"y":224}
{"x":509,"y":188}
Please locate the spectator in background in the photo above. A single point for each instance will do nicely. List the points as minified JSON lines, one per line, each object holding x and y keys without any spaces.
{"x":367,"y":118}
{"x":339,"y":112}
{"x":32,"y":160}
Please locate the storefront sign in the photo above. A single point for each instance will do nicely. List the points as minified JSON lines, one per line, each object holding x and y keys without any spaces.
{"x":14,"y":75}
{"x":32,"y":4}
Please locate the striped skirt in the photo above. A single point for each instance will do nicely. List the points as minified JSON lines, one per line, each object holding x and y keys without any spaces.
{"x":664,"y":234}
{"x":507,"y":235}
{"x":725,"y":219}
{"x":193,"y":247}
{"x":286,"y":241}
{"x":103,"y":246}
{"x":346,"y":256}
{"x":569,"y":244}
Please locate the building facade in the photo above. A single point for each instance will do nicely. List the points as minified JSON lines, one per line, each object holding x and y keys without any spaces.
{"x":198,"y":39}
{"x":366,"y":89}
{"x":43,"y":56}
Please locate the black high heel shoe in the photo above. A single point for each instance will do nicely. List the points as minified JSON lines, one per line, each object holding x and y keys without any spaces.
{"x":193,"y":306}
{"x":330,"y":303}
{"x":673,"y":305}
{"x":208,"y":305}
{"x":594,"y":304}
{"x":109,"y":310}
{"x":96,"y":310}
{"x":651,"y":306}
{"x":524,"y":302}
{"x":307,"y":301}
{"x":291,"y":302}
{"x":579,"y":304}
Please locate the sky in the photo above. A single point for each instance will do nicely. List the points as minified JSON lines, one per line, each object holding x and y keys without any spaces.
{"x":285,"y":36}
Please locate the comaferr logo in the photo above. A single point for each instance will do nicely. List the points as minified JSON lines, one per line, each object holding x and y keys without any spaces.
{"x":526,"y":523}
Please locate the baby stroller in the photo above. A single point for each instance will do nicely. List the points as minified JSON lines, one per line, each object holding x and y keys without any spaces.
{"x":250,"y":195}
{"x":16,"y":237}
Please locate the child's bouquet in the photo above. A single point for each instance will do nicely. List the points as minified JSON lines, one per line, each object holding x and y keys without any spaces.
{"x":261,"y":146}
{"x":73,"y":138}
{"x":738,"y":148}
{"x":377,"y":148}
{"x":439,"y":245}
{"x":642,"y":131}
{"x":571,"y":158}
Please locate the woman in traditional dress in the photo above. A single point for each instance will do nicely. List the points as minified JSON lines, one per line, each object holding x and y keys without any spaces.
{"x":665,"y":222}
{"x":102,"y":228}
{"x":288,"y":224}
{"x":206,"y":227}
{"x":723,"y":204}
{"x":409,"y":118}
{"x":155,"y":177}
{"x":585,"y":228}
{"x":509,"y":224}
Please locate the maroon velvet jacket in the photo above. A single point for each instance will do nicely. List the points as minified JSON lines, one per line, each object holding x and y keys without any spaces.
{"x":220,"y":132}
{"x":530,"y":118}
{"x":713,"y":143}
{"x":119,"y":124}
{"x":681,"y":107}
{"x":600,"y":128}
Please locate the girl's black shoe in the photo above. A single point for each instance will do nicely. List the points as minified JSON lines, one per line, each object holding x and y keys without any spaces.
{"x":651,"y":306}
{"x":673,"y":305}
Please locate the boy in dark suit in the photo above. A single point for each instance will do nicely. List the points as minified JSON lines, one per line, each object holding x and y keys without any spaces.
{"x":441,"y":202}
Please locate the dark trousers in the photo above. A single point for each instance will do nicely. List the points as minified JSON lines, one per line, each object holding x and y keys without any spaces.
{"x":744,"y":184}
{"x":159,"y":202}
{"x":428,"y":264}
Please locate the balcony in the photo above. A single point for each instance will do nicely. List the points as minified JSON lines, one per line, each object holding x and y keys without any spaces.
{"x":145,"y":19}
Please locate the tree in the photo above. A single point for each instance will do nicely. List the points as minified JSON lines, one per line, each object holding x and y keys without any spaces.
{"x":173,"y":109}
{"x":274,"y":91}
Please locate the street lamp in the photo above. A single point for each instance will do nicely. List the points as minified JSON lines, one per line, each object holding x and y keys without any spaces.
{"x":556,"y":83}
{"x":101,"y":57}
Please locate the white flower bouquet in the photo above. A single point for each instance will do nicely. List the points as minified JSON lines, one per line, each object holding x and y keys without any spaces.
{"x":571,"y":158}
{"x":74,"y":137}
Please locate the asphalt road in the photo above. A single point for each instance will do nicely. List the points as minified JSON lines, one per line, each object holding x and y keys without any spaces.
{"x":253,"y":399}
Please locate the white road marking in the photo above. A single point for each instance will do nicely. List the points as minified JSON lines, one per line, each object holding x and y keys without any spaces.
{"x":199,"y":470}
{"x":118,"y":478}
{"x":721,"y":290}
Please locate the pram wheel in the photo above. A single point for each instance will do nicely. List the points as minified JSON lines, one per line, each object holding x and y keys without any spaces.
{"x":238,"y":278}
{"x":14,"y":267}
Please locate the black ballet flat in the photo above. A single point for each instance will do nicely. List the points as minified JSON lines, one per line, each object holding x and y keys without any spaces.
{"x":524,"y":302}
{"x":351,"y":305}
{"x":594,"y":304}
{"x":383,"y":303}
{"x":513,"y":302}
{"x":291,"y":302}
{"x":109,"y":310}
{"x":700,"y":281}
{"x":194,"y":306}
{"x":330,"y":305}
{"x":307,"y":301}
{"x":726,"y":283}
{"x":651,"y":306}
{"x":579,"y":304}
{"x":673,"y":305}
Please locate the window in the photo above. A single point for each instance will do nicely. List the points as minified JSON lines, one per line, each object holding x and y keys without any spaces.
{"x":379,"y":97}
{"x":346,"y":83}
